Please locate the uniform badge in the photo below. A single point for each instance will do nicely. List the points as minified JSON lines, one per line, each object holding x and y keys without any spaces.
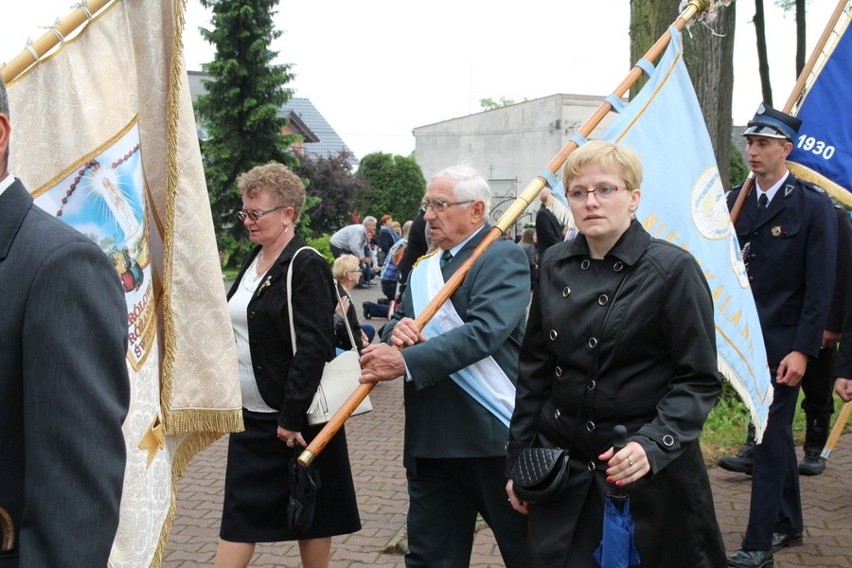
{"x":776,"y":231}
{"x":788,"y":189}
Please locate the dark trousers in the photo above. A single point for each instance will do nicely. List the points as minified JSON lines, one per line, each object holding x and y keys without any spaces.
{"x":818,"y":385}
{"x":336,"y":252}
{"x":444,"y":498}
{"x":776,"y":505}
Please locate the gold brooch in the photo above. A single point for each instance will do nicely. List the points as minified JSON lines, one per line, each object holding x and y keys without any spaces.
{"x":265,"y":284}
{"x":776,"y":231}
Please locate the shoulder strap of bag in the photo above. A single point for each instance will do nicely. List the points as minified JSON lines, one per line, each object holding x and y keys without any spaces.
{"x":290,"y":300}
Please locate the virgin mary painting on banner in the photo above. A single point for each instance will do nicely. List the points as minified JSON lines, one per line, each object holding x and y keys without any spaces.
{"x":105,"y":139}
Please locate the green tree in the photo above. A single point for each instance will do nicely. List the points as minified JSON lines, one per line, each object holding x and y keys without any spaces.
{"x":331,"y":181}
{"x":739,"y":169}
{"x":395,"y":186}
{"x":240,"y":111}
{"x":491,"y":104}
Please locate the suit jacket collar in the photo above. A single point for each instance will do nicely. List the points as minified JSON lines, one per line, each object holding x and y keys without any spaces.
{"x":782,"y":198}
{"x":15,"y":203}
{"x":628,"y":249}
{"x":467,"y":248}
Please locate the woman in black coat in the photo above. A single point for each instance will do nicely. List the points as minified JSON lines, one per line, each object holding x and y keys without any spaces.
{"x":620,"y":331}
{"x":277,"y":386}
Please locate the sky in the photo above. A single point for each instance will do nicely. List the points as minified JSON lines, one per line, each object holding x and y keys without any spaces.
{"x":376,"y":69}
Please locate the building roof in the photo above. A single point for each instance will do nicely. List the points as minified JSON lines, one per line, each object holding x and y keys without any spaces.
{"x":319,"y":140}
{"x":326,"y":142}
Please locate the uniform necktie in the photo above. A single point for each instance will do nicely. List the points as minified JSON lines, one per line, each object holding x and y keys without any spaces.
{"x":445,"y":258}
{"x":762,"y":202}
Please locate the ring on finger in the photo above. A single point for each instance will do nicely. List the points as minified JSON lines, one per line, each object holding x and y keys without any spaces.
{"x":629,"y":462}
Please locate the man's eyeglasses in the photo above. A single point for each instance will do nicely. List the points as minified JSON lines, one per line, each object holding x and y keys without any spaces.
{"x":255,"y":215}
{"x":440,"y":205}
{"x":579,"y":194}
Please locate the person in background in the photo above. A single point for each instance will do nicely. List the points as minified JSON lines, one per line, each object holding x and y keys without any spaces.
{"x":788,"y":234}
{"x":843,"y":371}
{"x":620,"y":331}
{"x":347,"y":274}
{"x":527,"y":244}
{"x":64,"y":386}
{"x":549,"y":229}
{"x":418,"y":245}
{"x":277,"y":385}
{"x":459,"y":384}
{"x":355,"y":240}
{"x":386,"y":238}
{"x":818,"y":380}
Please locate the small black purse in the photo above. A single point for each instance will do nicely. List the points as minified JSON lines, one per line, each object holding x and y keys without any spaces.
{"x":540,"y":474}
{"x":301,"y":505}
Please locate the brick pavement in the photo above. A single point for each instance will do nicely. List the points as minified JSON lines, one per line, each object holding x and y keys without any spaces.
{"x":375,"y":447}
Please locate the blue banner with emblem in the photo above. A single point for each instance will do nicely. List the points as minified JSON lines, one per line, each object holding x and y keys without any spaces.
{"x":683,"y":202}
{"x":822,"y":153}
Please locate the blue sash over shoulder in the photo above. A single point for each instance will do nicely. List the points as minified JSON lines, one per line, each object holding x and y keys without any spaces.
{"x":484,"y":380}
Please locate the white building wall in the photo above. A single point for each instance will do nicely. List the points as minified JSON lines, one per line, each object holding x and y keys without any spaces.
{"x":509,"y":145}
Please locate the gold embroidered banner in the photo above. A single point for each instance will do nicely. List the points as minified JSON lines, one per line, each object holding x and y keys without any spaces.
{"x":104,"y":137}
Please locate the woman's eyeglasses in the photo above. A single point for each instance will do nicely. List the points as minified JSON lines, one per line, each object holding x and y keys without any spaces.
{"x":601,"y":193}
{"x":242,"y":214}
{"x":439,"y":205}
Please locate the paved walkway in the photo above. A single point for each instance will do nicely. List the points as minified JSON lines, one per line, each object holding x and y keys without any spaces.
{"x":375,"y":447}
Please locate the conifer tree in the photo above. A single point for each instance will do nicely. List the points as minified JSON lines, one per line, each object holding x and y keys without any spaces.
{"x":240,"y":112}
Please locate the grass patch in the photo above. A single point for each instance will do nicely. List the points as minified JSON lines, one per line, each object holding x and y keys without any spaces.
{"x":725,"y":428}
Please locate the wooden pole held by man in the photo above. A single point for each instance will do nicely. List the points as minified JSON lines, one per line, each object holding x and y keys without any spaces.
{"x":521,"y":203}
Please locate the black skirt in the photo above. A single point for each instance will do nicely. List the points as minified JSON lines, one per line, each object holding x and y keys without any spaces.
{"x":257,"y":485}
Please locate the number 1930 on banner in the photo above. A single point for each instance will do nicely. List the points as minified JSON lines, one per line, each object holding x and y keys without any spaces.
{"x":815,"y":147}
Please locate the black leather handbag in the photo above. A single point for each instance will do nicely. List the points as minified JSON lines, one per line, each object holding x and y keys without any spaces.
{"x":301,"y":505}
{"x":540,"y":474}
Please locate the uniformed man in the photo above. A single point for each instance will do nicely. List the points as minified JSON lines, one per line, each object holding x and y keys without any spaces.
{"x":788,"y":234}
{"x":817,"y":384}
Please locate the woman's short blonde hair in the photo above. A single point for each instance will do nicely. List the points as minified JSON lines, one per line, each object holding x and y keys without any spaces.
{"x":620,"y":160}
{"x":343,"y":264}
{"x":282,"y":184}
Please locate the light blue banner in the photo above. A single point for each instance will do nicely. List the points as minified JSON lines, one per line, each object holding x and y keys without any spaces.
{"x":824,"y":145}
{"x":683,"y":202}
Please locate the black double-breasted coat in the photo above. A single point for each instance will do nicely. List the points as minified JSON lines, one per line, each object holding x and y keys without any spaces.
{"x":629,"y":340}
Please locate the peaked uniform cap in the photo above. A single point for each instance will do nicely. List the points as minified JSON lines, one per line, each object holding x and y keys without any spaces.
{"x":773,"y":123}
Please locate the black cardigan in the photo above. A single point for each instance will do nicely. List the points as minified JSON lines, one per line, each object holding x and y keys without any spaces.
{"x":286,"y":382}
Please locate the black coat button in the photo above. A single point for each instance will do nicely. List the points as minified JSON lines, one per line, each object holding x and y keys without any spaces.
{"x":566,"y":291}
{"x":585,"y":264}
{"x":603,"y":299}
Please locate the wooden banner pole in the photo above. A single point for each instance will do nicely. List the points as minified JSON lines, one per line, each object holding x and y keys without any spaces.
{"x":50,"y":39}
{"x":512,"y":214}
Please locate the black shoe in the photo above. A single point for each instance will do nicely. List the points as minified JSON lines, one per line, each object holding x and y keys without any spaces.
{"x":366,"y":307}
{"x":811,"y":464}
{"x":751,"y":559}
{"x":783,"y":540}
{"x":742,"y":462}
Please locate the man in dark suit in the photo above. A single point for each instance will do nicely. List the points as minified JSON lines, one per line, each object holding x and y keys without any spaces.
{"x":459,"y":374}
{"x":788,"y":233}
{"x":64,"y":388}
{"x":818,"y":402}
